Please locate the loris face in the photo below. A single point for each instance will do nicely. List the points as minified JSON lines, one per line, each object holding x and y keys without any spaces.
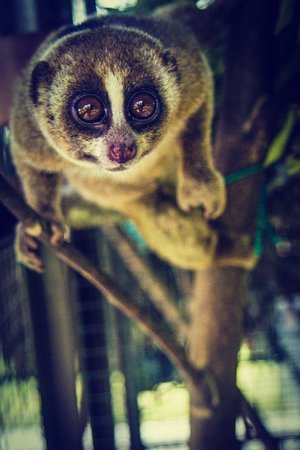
{"x":105,"y":97}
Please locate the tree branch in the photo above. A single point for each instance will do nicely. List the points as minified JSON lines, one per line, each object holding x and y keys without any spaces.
{"x":158,"y":292}
{"x":287,"y":97}
{"x":262,"y":433}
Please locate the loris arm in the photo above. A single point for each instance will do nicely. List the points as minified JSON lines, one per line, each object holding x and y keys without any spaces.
{"x":42,"y":193}
{"x":199,"y":183}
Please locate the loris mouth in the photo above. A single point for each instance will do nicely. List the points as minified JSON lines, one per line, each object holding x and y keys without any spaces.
{"x":86,"y":157}
{"x":123,"y":167}
{"x":146,"y":152}
{"x":120,"y":168}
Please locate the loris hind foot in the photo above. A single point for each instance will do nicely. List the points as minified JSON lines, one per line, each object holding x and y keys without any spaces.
{"x":207,"y":191}
{"x":184,"y":240}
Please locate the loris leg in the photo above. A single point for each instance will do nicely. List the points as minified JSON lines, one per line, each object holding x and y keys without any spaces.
{"x":41,"y":191}
{"x":79,"y":213}
{"x":199,"y":183}
{"x":186,"y":239}
{"x":183,"y":239}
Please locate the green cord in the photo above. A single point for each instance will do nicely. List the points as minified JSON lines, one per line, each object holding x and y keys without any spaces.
{"x":262,"y":224}
{"x":244,"y":173}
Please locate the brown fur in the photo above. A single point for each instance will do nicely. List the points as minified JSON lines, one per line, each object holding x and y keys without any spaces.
{"x":172,"y":173}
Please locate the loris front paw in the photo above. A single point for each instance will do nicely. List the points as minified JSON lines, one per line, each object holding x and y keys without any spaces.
{"x":27,"y":244}
{"x":207,"y":191}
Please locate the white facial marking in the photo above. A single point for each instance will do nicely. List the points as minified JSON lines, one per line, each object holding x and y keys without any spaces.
{"x":114,"y":88}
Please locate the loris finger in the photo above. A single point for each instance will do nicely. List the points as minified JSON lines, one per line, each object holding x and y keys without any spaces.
{"x":29,"y":242}
{"x":29,"y":258}
{"x":59,"y":233}
{"x":34,"y":262}
{"x":214,"y":210}
{"x":26,"y":250}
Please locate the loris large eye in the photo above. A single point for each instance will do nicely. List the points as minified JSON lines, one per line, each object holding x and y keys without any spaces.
{"x":143,"y":106}
{"x":89,"y":109}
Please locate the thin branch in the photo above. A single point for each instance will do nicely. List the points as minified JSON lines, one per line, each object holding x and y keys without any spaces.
{"x":272,"y":108}
{"x":288,"y":96}
{"x":157,"y":291}
{"x":262,"y":433}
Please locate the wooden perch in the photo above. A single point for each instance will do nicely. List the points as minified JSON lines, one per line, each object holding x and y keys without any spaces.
{"x":157,"y":291}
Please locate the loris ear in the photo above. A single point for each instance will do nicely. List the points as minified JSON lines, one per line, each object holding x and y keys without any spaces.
{"x":169,"y":61}
{"x":40,"y":74}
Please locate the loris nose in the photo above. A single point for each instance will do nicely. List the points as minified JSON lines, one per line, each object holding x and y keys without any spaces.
{"x":121,"y":153}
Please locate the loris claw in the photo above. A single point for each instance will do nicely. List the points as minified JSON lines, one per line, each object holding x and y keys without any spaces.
{"x":59,"y":233}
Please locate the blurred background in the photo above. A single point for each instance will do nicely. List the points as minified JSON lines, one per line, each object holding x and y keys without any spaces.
{"x":63,"y":349}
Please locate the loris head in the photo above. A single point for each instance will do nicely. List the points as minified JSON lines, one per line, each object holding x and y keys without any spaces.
{"x":105,"y":96}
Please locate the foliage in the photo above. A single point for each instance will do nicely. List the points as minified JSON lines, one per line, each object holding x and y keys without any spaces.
{"x":20,"y":403}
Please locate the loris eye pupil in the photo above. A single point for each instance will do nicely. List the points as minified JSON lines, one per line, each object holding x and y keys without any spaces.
{"x":142,"y":106}
{"x":89,"y":109}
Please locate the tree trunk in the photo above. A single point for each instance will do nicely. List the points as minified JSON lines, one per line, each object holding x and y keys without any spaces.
{"x":243,"y":136}
{"x":215,"y":336}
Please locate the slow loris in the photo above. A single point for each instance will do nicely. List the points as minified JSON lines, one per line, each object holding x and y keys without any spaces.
{"x":120,"y":108}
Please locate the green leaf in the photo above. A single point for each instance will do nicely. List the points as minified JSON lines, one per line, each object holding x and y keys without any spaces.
{"x":293,"y":165}
{"x":278,"y":146}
